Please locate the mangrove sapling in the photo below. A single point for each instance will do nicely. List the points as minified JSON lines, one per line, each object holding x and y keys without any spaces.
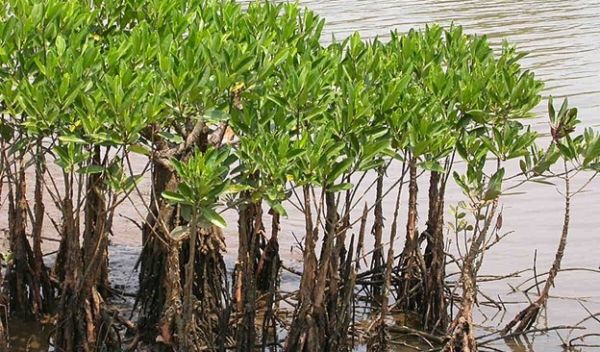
{"x":347,"y":139}
{"x":28,"y":286}
{"x":216,"y":70}
{"x":311,"y":329}
{"x":173,"y":135}
{"x":366,"y":96}
{"x":366,"y":141}
{"x":483,"y":193}
{"x":384,"y":86}
{"x":445,"y":84}
{"x":577,"y":154}
{"x":426,"y":139}
{"x":490,"y":128}
{"x":265,"y":149}
{"x":85,"y":320}
{"x":412,"y":263}
{"x":266,"y":153}
{"x":484,"y":204}
{"x":203,"y":182}
{"x":528,"y":316}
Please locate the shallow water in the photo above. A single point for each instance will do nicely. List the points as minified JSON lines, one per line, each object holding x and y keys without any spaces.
{"x":564,"y":51}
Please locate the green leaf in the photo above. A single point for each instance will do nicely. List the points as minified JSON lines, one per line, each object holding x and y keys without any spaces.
{"x":213,"y":217}
{"x":60,"y":45}
{"x":551,"y":111}
{"x":173,"y":197}
{"x":237,"y":188}
{"x":339,"y":168}
{"x":592,"y":152}
{"x":478,"y":115}
{"x":71,"y":139}
{"x":432,"y":165}
{"x":91,"y":169}
{"x":6,"y":132}
{"x":37,"y":13}
{"x":341,"y":187}
{"x":139,"y":149}
{"x":460,"y":181}
{"x":171,"y":137}
{"x":495,"y":186}
{"x":279,"y":209}
{"x":215,"y":115}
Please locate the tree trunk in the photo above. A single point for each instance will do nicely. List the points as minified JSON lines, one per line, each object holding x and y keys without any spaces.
{"x":41,"y":278}
{"x":172,"y":308}
{"x":83,"y":323}
{"x":434,"y":310}
{"x":19,"y":270}
{"x":411,"y":290}
{"x":328,"y":285}
{"x":159,"y":222}
{"x":302,"y":334}
{"x":92,"y":288}
{"x":268,"y":279}
{"x":250,"y":230}
{"x":379,"y":342}
{"x":377,"y":263}
{"x":70,"y":332}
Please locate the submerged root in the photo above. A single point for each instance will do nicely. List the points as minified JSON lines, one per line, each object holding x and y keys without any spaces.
{"x":525,"y":319}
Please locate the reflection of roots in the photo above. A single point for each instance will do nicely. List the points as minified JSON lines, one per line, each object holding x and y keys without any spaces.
{"x":525,"y":319}
{"x":411,"y":290}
